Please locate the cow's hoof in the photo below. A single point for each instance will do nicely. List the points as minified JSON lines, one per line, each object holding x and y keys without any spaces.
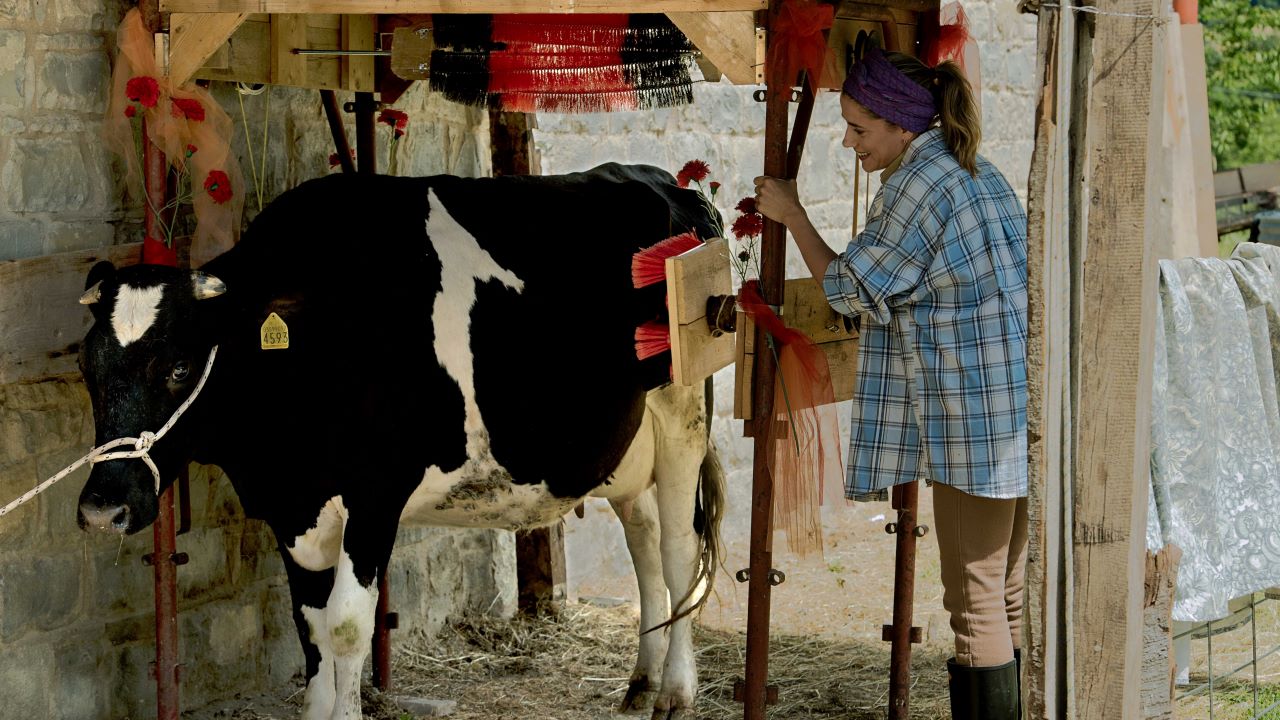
{"x":677,"y":713}
{"x":640,"y":696}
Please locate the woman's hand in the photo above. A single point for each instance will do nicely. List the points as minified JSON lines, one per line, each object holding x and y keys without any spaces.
{"x":779,"y":200}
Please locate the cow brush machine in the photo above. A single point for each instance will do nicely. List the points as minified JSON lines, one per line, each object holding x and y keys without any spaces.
{"x":561,"y":63}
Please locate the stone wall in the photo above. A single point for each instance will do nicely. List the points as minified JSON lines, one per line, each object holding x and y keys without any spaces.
{"x":725,"y":127}
{"x":76,"y":622}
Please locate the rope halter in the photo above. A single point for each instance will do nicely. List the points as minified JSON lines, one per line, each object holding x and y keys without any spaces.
{"x":141,"y":444}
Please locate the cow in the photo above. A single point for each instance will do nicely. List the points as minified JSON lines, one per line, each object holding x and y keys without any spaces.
{"x":460,"y":352}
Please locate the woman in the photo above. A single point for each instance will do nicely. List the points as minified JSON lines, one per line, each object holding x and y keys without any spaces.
{"x":940,"y":273}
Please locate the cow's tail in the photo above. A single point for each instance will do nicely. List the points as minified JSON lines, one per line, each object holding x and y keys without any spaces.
{"x":707,"y":514}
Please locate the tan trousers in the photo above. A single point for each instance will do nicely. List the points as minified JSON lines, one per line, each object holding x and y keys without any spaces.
{"x":983,"y":545}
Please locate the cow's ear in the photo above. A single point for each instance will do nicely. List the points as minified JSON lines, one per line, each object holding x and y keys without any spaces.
{"x":93,"y":282}
{"x":205,"y":286}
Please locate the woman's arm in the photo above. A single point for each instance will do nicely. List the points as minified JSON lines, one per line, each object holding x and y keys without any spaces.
{"x":779,"y":200}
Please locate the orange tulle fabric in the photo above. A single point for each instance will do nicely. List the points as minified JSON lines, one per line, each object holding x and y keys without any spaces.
{"x":951,"y":40}
{"x":201,"y":147}
{"x":798,"y":43}
{"x":804,"y":455}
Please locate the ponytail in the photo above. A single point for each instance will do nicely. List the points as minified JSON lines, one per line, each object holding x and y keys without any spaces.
{"x":952,"y":96}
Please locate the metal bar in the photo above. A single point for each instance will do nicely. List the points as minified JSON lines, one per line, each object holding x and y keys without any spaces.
{"x":800,"y":130}
{"x":772,"y":255}
{"x":905,"y":500}
{"x":166,"y":579}
{"x":365,"y":53}
{"x":338,"y":130}
{"x":366,"y":142}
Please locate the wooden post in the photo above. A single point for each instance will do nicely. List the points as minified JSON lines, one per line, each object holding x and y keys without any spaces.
{"x":1157,"y":633}
{"x":540,"y":564}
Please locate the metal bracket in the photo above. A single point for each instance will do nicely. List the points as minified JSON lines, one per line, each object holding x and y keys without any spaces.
{"x":740,"y":691}
{"x":776,"y":577}
{"x":176,"y":558}
{"x":886,"y":634}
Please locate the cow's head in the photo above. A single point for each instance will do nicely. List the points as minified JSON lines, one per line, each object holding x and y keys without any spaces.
{"x":141,"y":359}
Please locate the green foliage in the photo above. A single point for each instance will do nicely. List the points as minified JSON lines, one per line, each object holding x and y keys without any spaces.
{"x":1242,"y":58}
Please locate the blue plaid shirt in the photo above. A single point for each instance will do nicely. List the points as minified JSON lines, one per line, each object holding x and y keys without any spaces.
{"x":941,"y":272}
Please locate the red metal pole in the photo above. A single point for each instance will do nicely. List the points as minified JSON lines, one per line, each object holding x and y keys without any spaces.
{"x":901,"y":633}
{"x":772,"y":256}
{"x":163,"y":558}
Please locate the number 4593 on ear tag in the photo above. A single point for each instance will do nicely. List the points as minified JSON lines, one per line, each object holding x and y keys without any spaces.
{"x":275,"y":333}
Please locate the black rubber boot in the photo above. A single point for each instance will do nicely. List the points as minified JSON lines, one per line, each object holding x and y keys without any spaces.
{"x":983,"y":693}
{"x":1017,"y":664}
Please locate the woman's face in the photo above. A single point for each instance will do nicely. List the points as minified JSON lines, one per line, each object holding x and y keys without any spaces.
{"x":877,"y":141}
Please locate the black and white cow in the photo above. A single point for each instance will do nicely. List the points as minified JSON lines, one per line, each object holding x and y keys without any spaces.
{"x":460,"y":353}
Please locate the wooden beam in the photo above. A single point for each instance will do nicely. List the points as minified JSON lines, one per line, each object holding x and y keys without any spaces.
{"x":288,"y":32}
{"x":1157,"y":633}
{"x":41,"y":322}
{"x":1121,"y":111}
{"x":358,"y":33}
{"x":194,"y":38}
{"x":381,"y":7}
{"x":727,"y":39}
{"x":1048,"y":372}
{"x":1193,"y":69}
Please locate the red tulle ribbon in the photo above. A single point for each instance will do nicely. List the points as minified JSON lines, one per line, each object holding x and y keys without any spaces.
{"x":951,"y":40}
{"x":803,"y":437}
{"x":798,"y":43}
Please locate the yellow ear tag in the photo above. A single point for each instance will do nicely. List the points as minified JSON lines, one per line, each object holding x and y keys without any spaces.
{"x":275,"y":334}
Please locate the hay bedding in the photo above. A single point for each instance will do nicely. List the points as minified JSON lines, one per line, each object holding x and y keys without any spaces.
{"x":575,"y":666}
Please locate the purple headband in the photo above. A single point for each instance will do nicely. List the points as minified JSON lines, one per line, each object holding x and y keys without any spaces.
{"x":884,"y":90}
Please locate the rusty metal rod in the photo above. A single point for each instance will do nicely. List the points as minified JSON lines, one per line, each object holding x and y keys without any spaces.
{"x":905,"y":501}
{"x":772,"y":255}
{"x":338,"y":130}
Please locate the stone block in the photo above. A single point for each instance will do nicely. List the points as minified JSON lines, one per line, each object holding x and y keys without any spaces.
{"x":13,"y":9}
{"x":69,"y":41}
{"x":426,"y":707}
{"x":51,"y":174}
{"x":122,"y":584}
{"x":18,"y":240}
{"x":24,"y":677}
{"x":222,"y":649}
{"x":38,"y":593}
{"x":82,"y":15}
{"x":13,"y":69}
{"x":206,"y":569}
{"x":73,"y":81}
{"x":77,"y":690}
{"x":132,"y":691}
{"x":17,"y":477}
{"x":69,"y":237}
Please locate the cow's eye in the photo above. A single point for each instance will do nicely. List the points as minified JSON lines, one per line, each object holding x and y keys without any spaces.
{"x":180,"y":372}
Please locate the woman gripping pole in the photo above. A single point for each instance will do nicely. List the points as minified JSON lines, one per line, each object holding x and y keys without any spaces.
{"x":940,"y":275}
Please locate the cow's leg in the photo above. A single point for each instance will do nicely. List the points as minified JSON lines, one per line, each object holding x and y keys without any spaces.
{"x":349,"y":611}
{"x":681,"y":446}
{"x":639,"y":518}
{"x":309,"y":592}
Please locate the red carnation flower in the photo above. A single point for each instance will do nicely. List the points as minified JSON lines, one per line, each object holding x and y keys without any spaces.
{"x":335,"y":161}
{"x":188,"y":108}
{"x":696,"y":170}
{"x":746,"y":205}
{"x":749,"y":225}
{"x":130,"y":111}
{"x":191,"y":150}
{"x":714,"y":187}
{"x":397,"y":119}
{"x":218,"y":185}
{"x":143,"y":89}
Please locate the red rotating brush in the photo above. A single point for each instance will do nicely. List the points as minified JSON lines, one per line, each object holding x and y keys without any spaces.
{"x":649,"y":266}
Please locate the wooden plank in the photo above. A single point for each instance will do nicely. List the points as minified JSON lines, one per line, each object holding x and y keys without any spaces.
{"x":288,"y":32}
{"x":391,"y":7}
{"x":1193,"y":70}
{"x":1264,"y":176}
{"x":1048,"y":374}
{"x":806,"y":309}
{"x":692,"y":278}
{"x":727,"y":39}
{"x":1227,"y":182}
{"x":1112,"y":350}
{"x":359,"y":32}
{"x":193,"y":38}
{"x":41,"y":322}
{"x":1157,"y":633}
{"x":247,"y":55}
{"x":540,"y":569}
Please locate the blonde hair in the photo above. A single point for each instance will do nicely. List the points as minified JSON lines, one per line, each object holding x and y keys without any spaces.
{"x":961,"y":125}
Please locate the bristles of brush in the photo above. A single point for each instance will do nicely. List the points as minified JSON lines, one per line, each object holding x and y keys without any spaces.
{"x":652,"y":338}
{"x":649,"y":266}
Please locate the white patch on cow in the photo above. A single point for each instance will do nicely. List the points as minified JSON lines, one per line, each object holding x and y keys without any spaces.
{"x":317,"y":701}
{"x":463,"y":264}
{"x":318,"y":548}
{"x":349,"y":613}
{"x":135,"y":312}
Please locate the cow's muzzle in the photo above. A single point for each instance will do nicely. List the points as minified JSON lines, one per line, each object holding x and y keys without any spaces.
{"x":98,"y":515}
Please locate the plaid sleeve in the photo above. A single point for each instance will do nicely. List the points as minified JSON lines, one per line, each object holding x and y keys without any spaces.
{"x":890,"y":257}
